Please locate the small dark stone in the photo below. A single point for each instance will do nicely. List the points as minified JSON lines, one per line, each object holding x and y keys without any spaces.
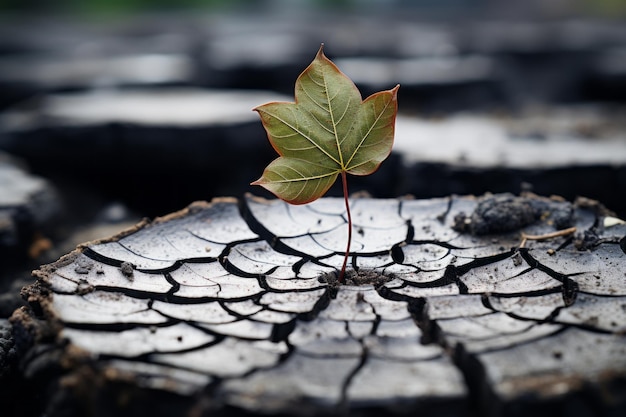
{"x":127,"y":269}
{"x":461,"y":222}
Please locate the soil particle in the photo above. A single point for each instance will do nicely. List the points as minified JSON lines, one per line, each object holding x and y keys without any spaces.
{"x":127,"y":270}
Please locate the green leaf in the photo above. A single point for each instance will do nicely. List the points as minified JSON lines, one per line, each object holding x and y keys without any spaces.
{"x":328,"y":130}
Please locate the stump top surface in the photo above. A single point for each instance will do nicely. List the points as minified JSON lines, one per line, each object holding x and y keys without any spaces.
{"x":228,"y":295}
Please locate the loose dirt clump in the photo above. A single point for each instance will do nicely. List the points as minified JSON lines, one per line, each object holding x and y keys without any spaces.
{"x":505,"y":213}
{"x":357,"y":278}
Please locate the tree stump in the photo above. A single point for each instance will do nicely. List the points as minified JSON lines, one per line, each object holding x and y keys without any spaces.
{"x":490,"y":305}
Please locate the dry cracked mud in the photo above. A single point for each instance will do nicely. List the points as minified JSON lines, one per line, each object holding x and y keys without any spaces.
{"x":219,"y":309}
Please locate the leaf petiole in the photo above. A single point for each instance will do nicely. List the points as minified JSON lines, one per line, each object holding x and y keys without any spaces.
{"x":344,"y":182}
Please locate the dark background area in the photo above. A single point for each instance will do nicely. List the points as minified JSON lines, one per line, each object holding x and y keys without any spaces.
{"x":490,"y":58}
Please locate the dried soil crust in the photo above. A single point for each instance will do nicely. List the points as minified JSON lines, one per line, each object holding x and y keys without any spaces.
{"x":230,"y":306}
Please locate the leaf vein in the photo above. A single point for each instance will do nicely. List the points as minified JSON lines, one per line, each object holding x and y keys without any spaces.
{"x":304,"y":135}
{"x":309,"y":178}
{"x":334,"y":125}
{"x":369,"y":131}
{"x":314,"y":101}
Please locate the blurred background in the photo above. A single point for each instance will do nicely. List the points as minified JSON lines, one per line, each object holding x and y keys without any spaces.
{"x":114,"y":110}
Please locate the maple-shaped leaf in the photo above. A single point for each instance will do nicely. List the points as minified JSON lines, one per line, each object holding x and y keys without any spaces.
{"x":328,"y":131}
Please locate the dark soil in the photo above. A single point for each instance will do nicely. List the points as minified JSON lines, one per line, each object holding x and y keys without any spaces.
{"x":360,"y":277}
{"x":506,"y":212}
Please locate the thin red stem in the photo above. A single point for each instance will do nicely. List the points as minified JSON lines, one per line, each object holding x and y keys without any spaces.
{"x":344,"y":182}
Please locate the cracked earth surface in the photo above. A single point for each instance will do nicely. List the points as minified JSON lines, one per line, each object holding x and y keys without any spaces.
{"x":226,"y":298}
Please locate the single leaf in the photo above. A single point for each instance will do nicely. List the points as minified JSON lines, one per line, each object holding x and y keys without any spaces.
{"x":328,"y":130}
